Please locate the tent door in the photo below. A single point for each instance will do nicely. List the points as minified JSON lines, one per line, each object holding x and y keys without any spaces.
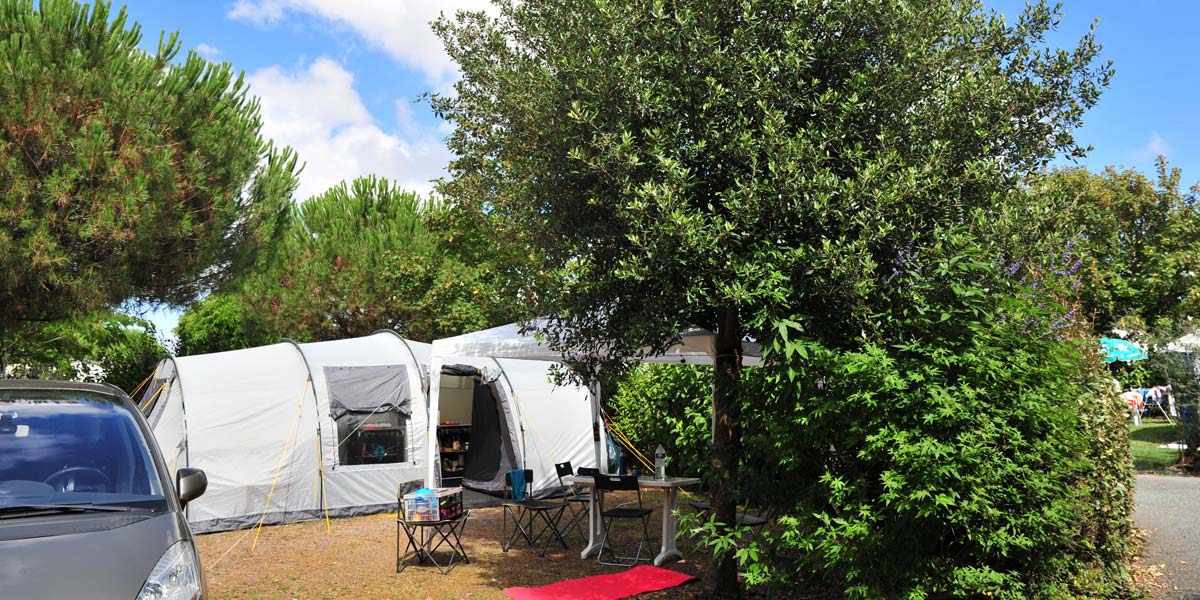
{"x":473,"y":437}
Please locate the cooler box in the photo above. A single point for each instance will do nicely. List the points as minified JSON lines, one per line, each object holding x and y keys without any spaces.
{"x":436,"y":504}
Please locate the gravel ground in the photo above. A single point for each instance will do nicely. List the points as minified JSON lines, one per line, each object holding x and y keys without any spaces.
{"x":1169,"y":516}
{"x":357,"y":560}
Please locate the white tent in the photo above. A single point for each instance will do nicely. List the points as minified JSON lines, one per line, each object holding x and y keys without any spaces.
{"x":555,"y":422}
{"x":291,"y":432}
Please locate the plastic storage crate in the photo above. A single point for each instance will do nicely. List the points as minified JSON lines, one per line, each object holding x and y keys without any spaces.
{"x":435,"y":504}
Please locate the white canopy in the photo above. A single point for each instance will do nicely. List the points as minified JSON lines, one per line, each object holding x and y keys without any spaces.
{"x":1187,"y":343}
{"x":696,"y":347}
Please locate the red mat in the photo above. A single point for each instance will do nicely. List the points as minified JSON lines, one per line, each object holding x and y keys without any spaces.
{"x":637,"y":580}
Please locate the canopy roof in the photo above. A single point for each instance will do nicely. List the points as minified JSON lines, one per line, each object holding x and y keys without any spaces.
{"x":695,"y":347}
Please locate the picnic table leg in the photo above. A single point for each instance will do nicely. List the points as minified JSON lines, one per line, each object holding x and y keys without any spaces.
{"x":595,"y":532}
{"x":669,"y":550}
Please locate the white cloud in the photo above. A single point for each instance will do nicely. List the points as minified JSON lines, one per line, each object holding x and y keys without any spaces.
{"x":317,"y":111}
{"x":1155,"y":147}
{"x":207,"y":51}
{"x":404,"y":115}
{"x":398,"y":27}
{"x":263,"y":13}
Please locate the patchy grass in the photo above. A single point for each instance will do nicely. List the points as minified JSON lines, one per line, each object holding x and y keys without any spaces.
{"x":1145,"y":440}
{"x":357,"y":559}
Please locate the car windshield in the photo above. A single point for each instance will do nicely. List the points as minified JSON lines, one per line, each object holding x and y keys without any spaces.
{"x":73,"y":447}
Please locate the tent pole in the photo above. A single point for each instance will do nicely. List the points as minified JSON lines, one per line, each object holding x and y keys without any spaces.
{"x":317,"y":417}
{"x":433,"y":470}
{"x":597,"y":426}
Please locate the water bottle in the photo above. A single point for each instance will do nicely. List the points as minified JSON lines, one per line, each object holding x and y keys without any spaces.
{"x":660,"y":463}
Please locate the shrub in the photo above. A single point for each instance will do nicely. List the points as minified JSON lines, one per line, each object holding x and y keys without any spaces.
{"x":669,"y":405}
{"x":936,"y":457}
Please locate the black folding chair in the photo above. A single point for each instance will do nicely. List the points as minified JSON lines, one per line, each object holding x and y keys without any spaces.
{"x":617,"y":483}
{"x":577,"y":501}
{"x":744,"y":519}
{"x":523,"y":512}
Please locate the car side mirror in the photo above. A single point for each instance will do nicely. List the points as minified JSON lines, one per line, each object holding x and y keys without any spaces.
{"x":190,"y":484}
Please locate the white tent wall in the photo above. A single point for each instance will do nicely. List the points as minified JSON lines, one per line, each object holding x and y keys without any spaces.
{"x":550,"y":424}
{"x":253,"y":421}
{"x":249,"y":415}
{"x":556,"y":420}
{"x":360,"y":489}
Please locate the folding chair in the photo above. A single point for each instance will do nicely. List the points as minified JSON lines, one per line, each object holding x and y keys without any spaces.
{"x":744,"y":519}
{"x":576,"y":500}
{"x":617,"y":483}
{"x":427,"y":537}
{"x":524,"y":509}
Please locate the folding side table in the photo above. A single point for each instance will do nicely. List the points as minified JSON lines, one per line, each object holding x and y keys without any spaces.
{"x":426,"y":537}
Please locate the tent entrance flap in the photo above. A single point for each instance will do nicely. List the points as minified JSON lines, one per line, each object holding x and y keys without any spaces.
{"x":491,"y":454}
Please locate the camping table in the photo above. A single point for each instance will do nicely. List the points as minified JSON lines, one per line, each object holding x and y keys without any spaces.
{"x":426,"y":537}
{"x":670,"y":487}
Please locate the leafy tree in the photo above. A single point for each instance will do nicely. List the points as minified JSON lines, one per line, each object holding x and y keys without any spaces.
{"x":107,"y":346}
{"x":218,"y":323}
{"x":130,"y":355}
{"x":747,"y":168}
{"x":1136,"y":240}
{"x":362,"y":257}
{"x":905,"y":466}
{"x":125,"y":174}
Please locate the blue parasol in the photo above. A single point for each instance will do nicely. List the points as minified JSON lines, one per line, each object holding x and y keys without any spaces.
{"x":1116,"y":349}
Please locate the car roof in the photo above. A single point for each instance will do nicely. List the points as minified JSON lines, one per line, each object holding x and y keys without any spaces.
{"x":75,"y":386}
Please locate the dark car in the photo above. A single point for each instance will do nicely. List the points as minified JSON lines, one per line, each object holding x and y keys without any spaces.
{"x":87,"y":506}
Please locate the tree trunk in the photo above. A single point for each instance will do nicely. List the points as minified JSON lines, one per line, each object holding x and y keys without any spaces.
{"x":726,"y":443}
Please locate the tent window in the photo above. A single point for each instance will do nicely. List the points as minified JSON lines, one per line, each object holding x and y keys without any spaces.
{"x":372,"y":410}
{"x":379,"y":438}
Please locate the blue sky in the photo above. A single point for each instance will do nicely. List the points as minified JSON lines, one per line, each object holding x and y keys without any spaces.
{"x":1151,"y":107}
{"x":338,"y":80}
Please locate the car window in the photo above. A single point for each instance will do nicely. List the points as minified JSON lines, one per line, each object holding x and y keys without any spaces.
{"x":72,"y":447}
